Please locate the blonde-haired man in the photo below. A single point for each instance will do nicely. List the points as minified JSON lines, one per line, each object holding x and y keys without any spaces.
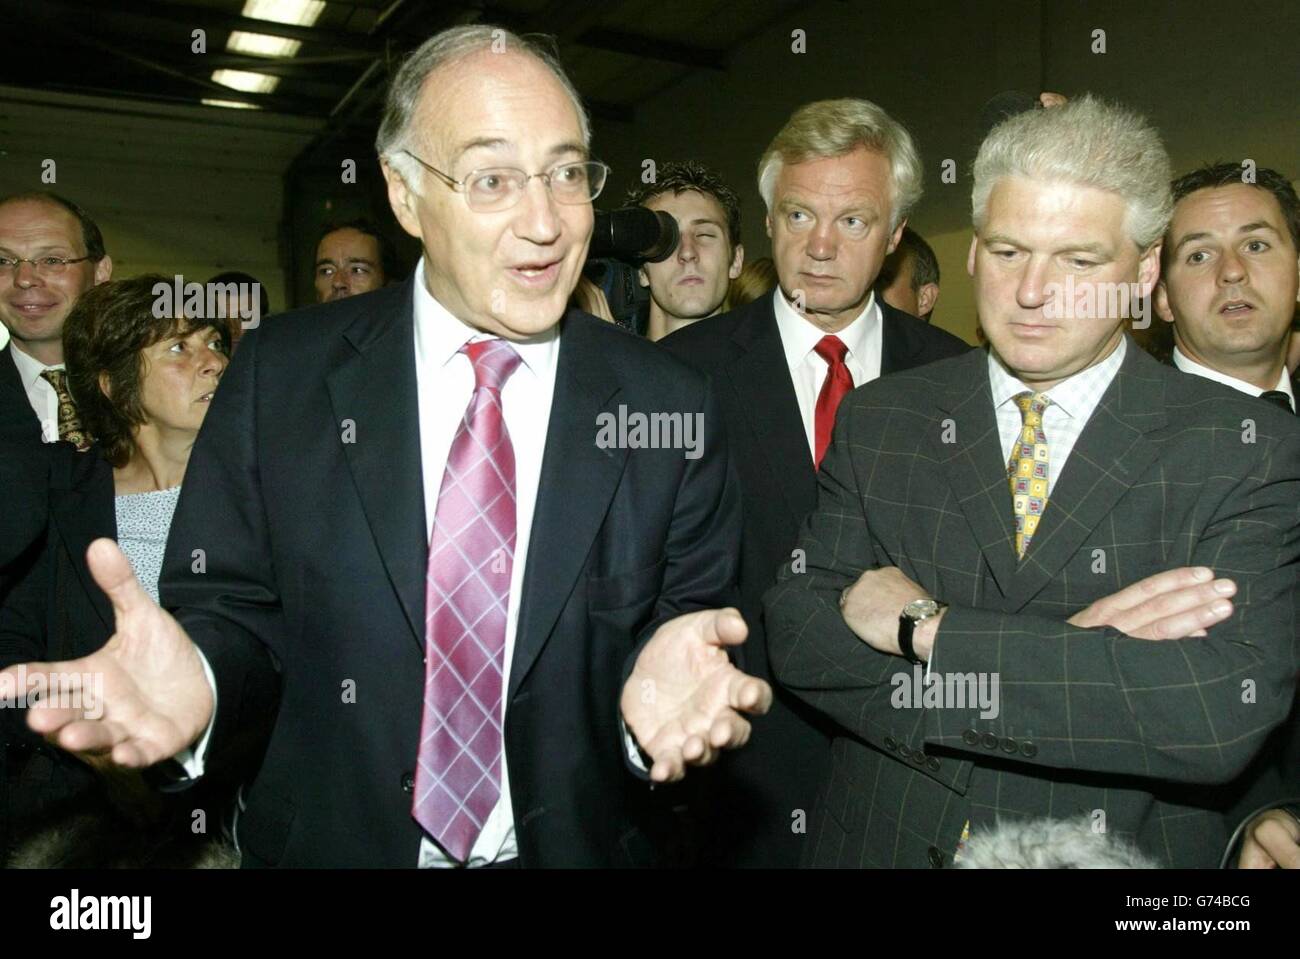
{"x":1038,"y":578}
{"x":839,"y":180}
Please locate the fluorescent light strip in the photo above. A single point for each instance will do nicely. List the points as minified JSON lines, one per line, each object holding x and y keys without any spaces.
{"x":262,"y":45}
{"x":230,"y":104}
{"x":246,"y":81}
{"x":302,"y":13}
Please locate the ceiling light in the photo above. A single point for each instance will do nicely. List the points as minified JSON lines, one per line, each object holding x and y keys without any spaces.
{"x":302,"y":13}
{"x":246,"y":81}
{"x":231,"y":104}
{"x":262,"y":45}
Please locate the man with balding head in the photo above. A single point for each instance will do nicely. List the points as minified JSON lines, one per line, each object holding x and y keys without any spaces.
{"x":50,"y":253}
{"x":505,"y":625}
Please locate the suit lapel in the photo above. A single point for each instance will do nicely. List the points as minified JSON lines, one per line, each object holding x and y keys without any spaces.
{"x":1107,"y":459}
{"x":969,"y":451}
{"x":375,"y":387}
{"x":578,"y":480}
{"x":761,"y":378}
{"x":83,"y":509}
{"x":14,"y":394}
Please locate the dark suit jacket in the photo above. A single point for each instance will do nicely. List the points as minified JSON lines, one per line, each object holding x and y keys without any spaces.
{"x":314,"y":577}
{"x":56,"y":612}
{"x":1275,"y":772}
{"x":1165,"y":474}
{"x":23,"y":467}
{"x":787,"y":758}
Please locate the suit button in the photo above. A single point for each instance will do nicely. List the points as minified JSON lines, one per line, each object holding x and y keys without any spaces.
{"x":905,"y":750}
{"x":890,"y":744}
{"x":935,"y":857}
{"x":918,"y":757}
{"x":990,"y":741}
{"x":1009,"y":745}
{"x":933,"y":763}
{"x":408,"y":782}
{"x":970,"y":737}
{"x":1029,"y":750}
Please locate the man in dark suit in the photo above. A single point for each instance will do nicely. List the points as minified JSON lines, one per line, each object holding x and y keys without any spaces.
{"x":1010,"y":607}
{"x":483,"y":624}
{"x":1229,"y":284}
{"x":839,"y":180}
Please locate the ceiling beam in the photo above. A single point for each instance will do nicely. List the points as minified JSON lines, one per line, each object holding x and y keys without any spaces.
{"x":281,"y":66}
{"x":635,"y":45}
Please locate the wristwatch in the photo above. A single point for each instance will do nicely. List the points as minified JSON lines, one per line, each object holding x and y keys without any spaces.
{"x":915,"y":613}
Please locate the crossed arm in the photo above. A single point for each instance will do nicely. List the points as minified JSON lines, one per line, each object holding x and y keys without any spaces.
{"x":1178,"y":677}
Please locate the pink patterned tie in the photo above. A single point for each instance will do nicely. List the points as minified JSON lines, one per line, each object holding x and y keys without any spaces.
{"x":458,"y":776}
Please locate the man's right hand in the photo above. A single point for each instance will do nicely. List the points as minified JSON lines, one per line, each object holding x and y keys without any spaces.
{"x":1176,"y":604}
{"x":156,"y":700}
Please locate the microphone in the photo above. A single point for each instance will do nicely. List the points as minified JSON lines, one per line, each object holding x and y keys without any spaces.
{"x":634,"y":234}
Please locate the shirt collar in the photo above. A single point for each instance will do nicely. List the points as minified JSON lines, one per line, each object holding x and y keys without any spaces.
{"x":1189,"y":365}
{"x":439,"y":335}
{"x":799,"y":337}
{"x":29,"y":368}
{"x":1070,"y":395}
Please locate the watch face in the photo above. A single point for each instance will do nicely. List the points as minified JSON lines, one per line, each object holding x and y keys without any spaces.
{"x":921,"y":609}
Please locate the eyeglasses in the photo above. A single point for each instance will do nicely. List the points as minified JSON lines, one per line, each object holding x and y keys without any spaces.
{"x":495,"y":189}
{"x":43,"y":265}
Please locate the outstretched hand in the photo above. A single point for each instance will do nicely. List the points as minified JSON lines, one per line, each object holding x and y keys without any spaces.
{"x":140,"y":699}
{"x":684,"y":700}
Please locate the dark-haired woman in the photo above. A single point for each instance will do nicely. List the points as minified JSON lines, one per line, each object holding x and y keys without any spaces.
{"x":142,"y":385}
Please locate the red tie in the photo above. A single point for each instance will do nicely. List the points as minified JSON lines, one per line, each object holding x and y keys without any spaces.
{"x":838,"y":382}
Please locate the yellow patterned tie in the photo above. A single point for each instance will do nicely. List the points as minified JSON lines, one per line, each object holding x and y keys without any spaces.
{"x":69,"y":423}
{"x":1027,"y":469}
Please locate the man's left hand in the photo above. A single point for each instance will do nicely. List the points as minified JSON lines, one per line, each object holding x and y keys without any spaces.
{"x":684,"y":699}
{"x":872,"y":605}
{"x":1272,"y":842}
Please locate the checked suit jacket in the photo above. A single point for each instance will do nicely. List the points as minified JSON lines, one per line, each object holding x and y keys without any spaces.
{"x":1143,"y":736}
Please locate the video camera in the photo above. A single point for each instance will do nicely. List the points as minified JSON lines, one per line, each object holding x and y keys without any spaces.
{"x":621,"y":241}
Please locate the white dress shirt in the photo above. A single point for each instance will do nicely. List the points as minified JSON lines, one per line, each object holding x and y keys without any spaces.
{"x":799,"y":338}
{"x":1188,"y":365}
{"x":1073,"y":402}
{"x":445,"y":380}
{"x":40,"y":392}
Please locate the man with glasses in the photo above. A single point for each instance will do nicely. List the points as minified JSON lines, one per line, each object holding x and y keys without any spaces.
{"x":491,"y":630}
{"x":50,"y":253}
